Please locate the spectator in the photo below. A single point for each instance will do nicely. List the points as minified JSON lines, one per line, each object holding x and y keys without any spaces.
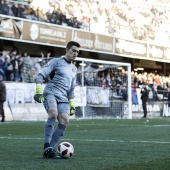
{"x":168,"y":95}
{"x":37,"y":67}
{"x":1,"y":6}
{"x":57,"y":14}
{"x":2,"y":98}
{"x":96,"y":78}
{"x":1,"y":67}
{"x":4,"y":67}
{"x":155,"y":94}
{"x":108,"y":80}
{"x":86,"y":75}
{"x":14,"y":9}
{"x":51,"y":16}
{"x":9,"y":72}
{"x":144,"y":98}
{"x":21,"y":11}
{"x":6,"y":8}
{"x":90,"y":79}
{"x":134,"y":94}
{"x":157,"y":79}
{"x":25,"y":57}
{"x":20,"y":66}
{"x":103,"y":83}
{"x":123,"y":92}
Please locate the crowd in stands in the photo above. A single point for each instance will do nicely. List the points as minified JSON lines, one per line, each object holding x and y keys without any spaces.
{"x":133,"y":19}
{"x":20,"y":67}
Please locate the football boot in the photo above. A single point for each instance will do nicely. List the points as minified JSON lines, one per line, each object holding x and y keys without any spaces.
{"x":49,"y":152}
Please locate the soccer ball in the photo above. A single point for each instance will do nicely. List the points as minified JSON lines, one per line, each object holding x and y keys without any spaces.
{"x":65,"y":150}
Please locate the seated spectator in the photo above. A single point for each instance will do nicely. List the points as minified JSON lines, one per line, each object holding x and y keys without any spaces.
{"x":30,"y":14}
{"x":14,"y":9}
{"x":21,"y":11}
{"x":5,"y":8}
{"x":51,"y":16}
{"x":1,"y":7}
{"x":57,"y":16}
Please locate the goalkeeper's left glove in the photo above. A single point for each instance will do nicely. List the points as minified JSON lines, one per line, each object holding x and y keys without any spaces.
{"x":38,"y":97}
{"x":72,"y":107}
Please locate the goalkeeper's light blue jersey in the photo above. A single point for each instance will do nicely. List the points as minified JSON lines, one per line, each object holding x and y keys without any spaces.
{"x":63,"y":81}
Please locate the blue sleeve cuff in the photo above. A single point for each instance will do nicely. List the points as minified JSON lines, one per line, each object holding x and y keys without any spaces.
{"x":39,"y":78}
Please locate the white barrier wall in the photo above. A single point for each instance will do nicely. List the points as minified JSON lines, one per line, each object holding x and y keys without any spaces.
{"x":20,"y":104}
{"x":30,"y":112}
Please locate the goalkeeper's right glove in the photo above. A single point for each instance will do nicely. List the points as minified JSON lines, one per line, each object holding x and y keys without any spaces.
{"x":72,"y":107}
{"x":38,"y":97}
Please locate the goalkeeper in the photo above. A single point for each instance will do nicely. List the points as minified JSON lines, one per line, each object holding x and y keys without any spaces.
{"x":58,"y":95}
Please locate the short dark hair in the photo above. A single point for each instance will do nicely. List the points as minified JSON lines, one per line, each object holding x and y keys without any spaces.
{"x":72,"y":43}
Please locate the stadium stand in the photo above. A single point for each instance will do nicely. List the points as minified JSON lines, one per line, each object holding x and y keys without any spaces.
{"x":142,"y":20}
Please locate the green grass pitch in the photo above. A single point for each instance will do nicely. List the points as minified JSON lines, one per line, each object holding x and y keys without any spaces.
{"x":100,"y":144}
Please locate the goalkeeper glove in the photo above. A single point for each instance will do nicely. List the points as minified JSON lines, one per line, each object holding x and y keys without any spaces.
{"x":72,"y":107}
{"x":38,"y":97}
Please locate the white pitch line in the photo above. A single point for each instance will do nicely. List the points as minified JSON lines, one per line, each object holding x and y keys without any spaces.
{"x":91,"y":140}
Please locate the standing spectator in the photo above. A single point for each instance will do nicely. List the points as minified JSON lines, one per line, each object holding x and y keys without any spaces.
{"x":26,"y":58}
{"x":1,"y":67}
{"x":108,"y":79}
{"x":134,"y":93}
{"x":9,"y":72}
{"x":37,"y":67}
{"x":2,"y":98}
{"x":144,"y":98}
{"x":91,"y":79}
{"x":157,"y":79}
{"x":168,"y":95}
{"x":123,"y":91}
{"x":86,"y":76}
{"x":155,"y":94}
{"x":20,"y":65}
{"x":4,"y":67}
{"x":96,"y":79}
{"x":15,"y":56}
{"x":103,"y":83}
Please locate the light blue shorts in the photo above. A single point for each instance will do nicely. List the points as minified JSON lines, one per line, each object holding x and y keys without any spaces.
{"x":50,"y":101}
